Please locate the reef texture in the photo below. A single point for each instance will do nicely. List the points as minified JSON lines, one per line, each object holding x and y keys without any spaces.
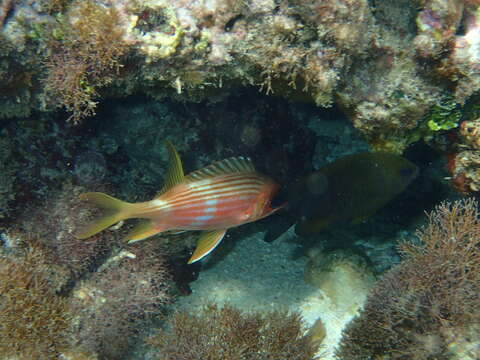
{"x":386,"y":63}
{"x":464,"y":154}
{"x":63,"y":298}
{"x":427,"y":307}
{"x":228,"y":333}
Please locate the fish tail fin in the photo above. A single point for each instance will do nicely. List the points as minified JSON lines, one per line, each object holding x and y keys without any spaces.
{"x":114,"y":211}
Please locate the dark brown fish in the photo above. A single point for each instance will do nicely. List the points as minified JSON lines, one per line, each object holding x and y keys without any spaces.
{"x":351,"y":188}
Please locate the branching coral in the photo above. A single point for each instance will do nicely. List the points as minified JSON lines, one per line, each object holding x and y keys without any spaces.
{"x":432,"y":294}
{"x":228,"y":334}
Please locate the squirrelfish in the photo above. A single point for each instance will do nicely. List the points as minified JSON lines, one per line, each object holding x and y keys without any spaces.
{"x":226,"y":194}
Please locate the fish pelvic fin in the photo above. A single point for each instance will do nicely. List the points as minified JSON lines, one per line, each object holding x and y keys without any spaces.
{"x":208,"y":241}
{"x":114,"y":211}
{"x":144,"y":229}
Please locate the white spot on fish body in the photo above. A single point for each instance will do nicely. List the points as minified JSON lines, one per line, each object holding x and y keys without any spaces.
{"x":203,"y":218}
{"x":211,"y":202}
{"x":157,"y":203}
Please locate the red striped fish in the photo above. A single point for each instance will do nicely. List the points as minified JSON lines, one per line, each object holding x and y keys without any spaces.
{"x":225,"y":194}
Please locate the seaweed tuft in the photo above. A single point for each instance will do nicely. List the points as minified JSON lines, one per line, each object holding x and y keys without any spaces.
{"x":428,"y":304}
{"x":34,"y":319}
{"x":228,"y":334}
{"x":86,"y":48}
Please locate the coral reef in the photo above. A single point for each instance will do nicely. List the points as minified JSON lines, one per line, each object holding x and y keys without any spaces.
{"x":448,"y":35}
{"x":34,"y":319}
{"x":113,"y":304}
{"x":368,"y":57}
{"x":86,"y":47}
{"x":463,"y":153}
{"x":229,"y":334}
{"x":42,"y":318}
{"x":55,"y":224}
{"x":425,"y":307}
{"x":35,"y":153}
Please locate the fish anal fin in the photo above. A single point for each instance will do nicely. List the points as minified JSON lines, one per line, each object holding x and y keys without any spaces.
{"x":231,"y":165}
{"x":144,"y":229}
{"x":208,"y":241}
{"x":175,"y":173}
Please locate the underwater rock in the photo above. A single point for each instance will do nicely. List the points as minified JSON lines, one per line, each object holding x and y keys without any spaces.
{"x":342,"y":275}
{"x":464,"y":344}
{"x":113,"y":304}
{"x":77,"y":354}
{"x":90,"y":168}
{"x":362,"y":55}
{"x":464,"y":167}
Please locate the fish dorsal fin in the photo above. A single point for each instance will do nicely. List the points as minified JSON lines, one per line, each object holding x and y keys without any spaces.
{"x":175,"y":169}
{"x":231,"y":165}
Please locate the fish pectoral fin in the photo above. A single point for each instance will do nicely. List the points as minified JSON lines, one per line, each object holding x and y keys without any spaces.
{"x":207,"y":242}
{"x":143,"y":230}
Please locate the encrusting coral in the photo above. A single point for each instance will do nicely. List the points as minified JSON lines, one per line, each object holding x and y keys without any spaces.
{"x":426,"y":307}
{"x":228,"y":334}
